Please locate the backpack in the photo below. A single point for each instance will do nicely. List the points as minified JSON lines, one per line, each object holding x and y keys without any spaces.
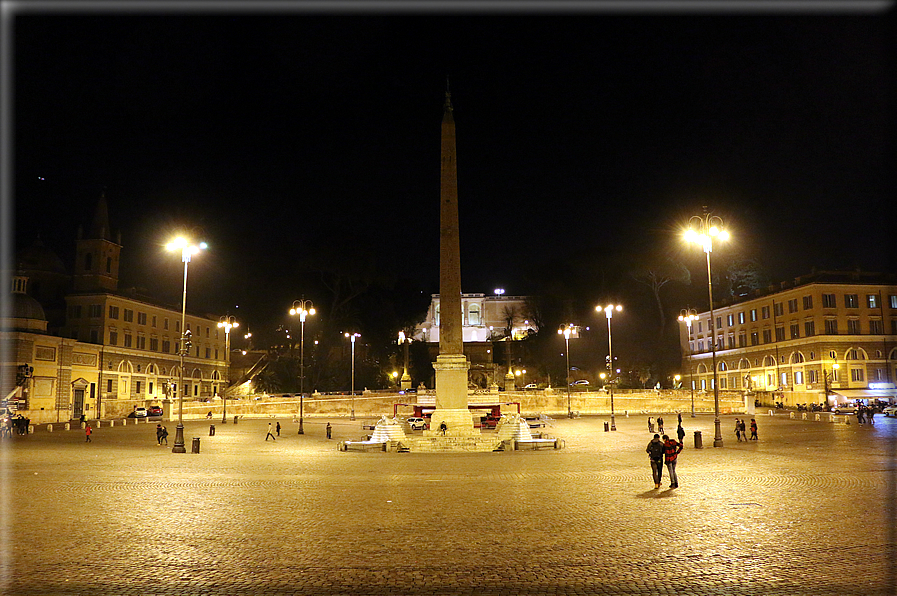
{"x":655,"y":449}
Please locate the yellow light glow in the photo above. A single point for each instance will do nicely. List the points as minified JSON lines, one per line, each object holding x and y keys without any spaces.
{"x":691,"y":236}
{"x":714,"y":230}
{"x":724,"y":235}
{"x":836,"y":366}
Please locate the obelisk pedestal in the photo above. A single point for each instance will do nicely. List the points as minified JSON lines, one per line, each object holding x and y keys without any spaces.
{"x":451,"y":398}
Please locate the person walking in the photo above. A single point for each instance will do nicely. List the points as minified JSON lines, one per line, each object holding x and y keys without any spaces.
{"x":278,"y":428}
{"x":861,"y":414}
{"x":872,"y":415}
{"x":738,"y":429}
{"x":753,"y":430}
{"x":655,"y":452}
{"x":680,"y":432}
{"x":744,"y":429}
{"x":650,"y":424}
{"x":87,"y":432}
{"x":159,"y":434}
{"x":270,"y":432}
{"x":671,"y":450}
{"x":660,"y":425}
{"x":163,"y":436}
{"x":679,"y":414}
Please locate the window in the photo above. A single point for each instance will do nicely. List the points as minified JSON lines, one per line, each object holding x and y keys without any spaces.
{"x":129,"y":315}
{"x":165,"y":324}
{"x":154,"y":320}
{"x":719,"y":323}
{"x":731,"y":341}
{"x":753,"y":314}
{"x":113,"y":338}
{"x":778,"y":308}
{"x":798,"y":377}
{"x":784,"y":378}
{"x":767,"y":336}
{"x":742,"y":339}
{"x":853,"y":326}
{"x":154,"y":344}
{"x":856,"y":375}
{"x":730,"y":320}
{"x":113,"y":312}
{"x":872,"y":300}
{"x":755,"y":338}
{"x":94,"y":336}
{"x":780,"y":333}
{"x":166,"y":346}
{"x":828,"y":301}
{"x":207,"y":331}
{"x":137,"y":385}
{"x":208,"y":353}
{"x":893,"y":326}
{"x":795,"y":330}
{"x":808,"y":302}
{"x":812,"y":376}
{"x":722,"y":382}
{"x":741,"y":318}
{"x":792,"y":305}
{"x":88,"y":262}
{"x":141,"y":318}
{"x":851,"y":301}
{"x":765,"y":312}
{"x":809,"y":328}
{"x":831,"y":327}
{"x":75,"y":311}
{"x":699,"y":327}
{"x":95,"y":311}
{"x":108,"y":385}
{"x":892,"y":299}
{"x":127,"y":340}
{"x":701,"y":345}
{"x":216,"y":353}
{"x":141,"y":342}
{"x":177,"y":326}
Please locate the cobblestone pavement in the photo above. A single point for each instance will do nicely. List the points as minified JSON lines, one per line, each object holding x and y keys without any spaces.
{"x":808,"y":509}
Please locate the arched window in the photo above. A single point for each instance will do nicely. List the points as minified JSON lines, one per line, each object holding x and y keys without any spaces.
{"x":722,"y":366}
{"x":855,"y":354}
{"x":702,"y":368}
{"x":796,"y":357}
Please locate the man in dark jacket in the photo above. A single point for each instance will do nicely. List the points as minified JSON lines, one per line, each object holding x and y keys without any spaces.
{"x":655,"y":452}
{"x":671,"y":450}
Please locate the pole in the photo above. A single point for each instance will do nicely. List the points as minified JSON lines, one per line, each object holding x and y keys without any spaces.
{"x":567,"y":352}
{"x":179,"y":431}
{"x":301,"y":371}
{"x":352,"y":417}
{"x":691,"y":381}
{"x":718,"y":437}
{"x":610,"y":355}
{"x":227,"y":374}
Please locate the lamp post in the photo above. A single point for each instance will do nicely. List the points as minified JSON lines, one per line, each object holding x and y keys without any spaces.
{"x":227,"y":323}
{"x":567,"y":331}
{"x":521,"y":372}
{"x":707,"y":227}
{"x":609,"y":313}
{"x":187,"y":251}
{"x":687,"y":316}
{"x":352,"y":336}
{"x":303,"y":308}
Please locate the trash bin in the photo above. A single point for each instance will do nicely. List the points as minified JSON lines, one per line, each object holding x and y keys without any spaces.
{"x":195,"y":444}
{"x":235,"y":419}
{"x":699,"y":444}
{"x":211,"y":430}
{"x":606,"y":427}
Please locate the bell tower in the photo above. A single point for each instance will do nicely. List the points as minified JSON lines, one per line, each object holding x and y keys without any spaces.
{"x":97,"y":256}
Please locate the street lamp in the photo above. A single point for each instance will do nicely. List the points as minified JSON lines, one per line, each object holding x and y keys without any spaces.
{"x":687,"y":316}
{"x":228,"y":323}
{"x":609,"y":313}
{"x":352,"y":336}
{"x":521,"y":372}
{"x":567,"y":331}
{"x":707,"y":227}
{"x":187,"y":251}
{"x":303,"y":308}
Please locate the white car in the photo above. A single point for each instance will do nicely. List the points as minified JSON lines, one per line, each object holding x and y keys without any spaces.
{"x":845,"y":409}
{"x":140,"y":413}
{"x":417,"y":423}
{"x":890,"y":411}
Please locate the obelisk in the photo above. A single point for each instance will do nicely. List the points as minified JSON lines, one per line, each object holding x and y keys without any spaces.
{"x":451,"y":364}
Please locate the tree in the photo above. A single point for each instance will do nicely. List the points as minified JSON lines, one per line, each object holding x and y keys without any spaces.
{"x":656,"y":271}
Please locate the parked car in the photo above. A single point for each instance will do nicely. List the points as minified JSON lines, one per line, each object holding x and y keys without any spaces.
{"x":531,"y":386}
{"x":890,"y":411}
{"x":140,"y":413}
{"x":845,"y":409}
{"x":580,"y":382}
{"x":154,"y":410}
{"x":417,"y":423}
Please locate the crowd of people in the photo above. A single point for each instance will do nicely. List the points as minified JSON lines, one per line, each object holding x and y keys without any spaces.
{"x":10,"y":425}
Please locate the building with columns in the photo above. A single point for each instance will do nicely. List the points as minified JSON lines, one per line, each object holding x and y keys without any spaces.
{"x":829,"y":336}
{"x":113,"y":350}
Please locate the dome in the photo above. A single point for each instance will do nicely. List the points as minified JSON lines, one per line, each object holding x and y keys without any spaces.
{"x":26,"y":307}
{"x":38,"y":257}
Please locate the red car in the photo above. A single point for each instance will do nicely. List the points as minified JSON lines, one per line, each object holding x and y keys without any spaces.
{"x":154,"y":411}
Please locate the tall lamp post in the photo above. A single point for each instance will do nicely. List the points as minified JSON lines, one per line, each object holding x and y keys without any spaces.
{"x":706,"y":228}
{"x":352,"y":336}
{"x":406,"y":378}
{"x":687,"y":316}
{"x":227,"y":323}
{"x":567,"y":331}
{"x":609,"y":313}
{"x":303,"y":308}
{"x":187,"y":251}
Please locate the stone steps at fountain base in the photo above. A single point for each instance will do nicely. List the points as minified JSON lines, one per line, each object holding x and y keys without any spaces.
{"x":441,"y":444}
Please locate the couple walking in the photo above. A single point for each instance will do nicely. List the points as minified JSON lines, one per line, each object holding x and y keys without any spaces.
{"x":664,"y":452}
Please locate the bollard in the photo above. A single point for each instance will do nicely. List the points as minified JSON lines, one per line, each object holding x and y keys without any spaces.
{"x":49,"y":428}
{"x":606,"y":427}
{"x":195,"y":444}
{"x":328,"y":430}
{"x":771,"y":413}
{"x":112,"y":423}
{"x":68,"y":426}
{"x":699,"y":442}
{"x":211,"y":430}
{"x":791,"y":415}
{"x":235,"y":419}
{"x":818,"y":418}
{"x":98,"y":424}
{"x":83,"y":425}
{"x":30,"y":429}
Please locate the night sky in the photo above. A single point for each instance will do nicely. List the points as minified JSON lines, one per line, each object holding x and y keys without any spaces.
{"x":288,"y":139}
